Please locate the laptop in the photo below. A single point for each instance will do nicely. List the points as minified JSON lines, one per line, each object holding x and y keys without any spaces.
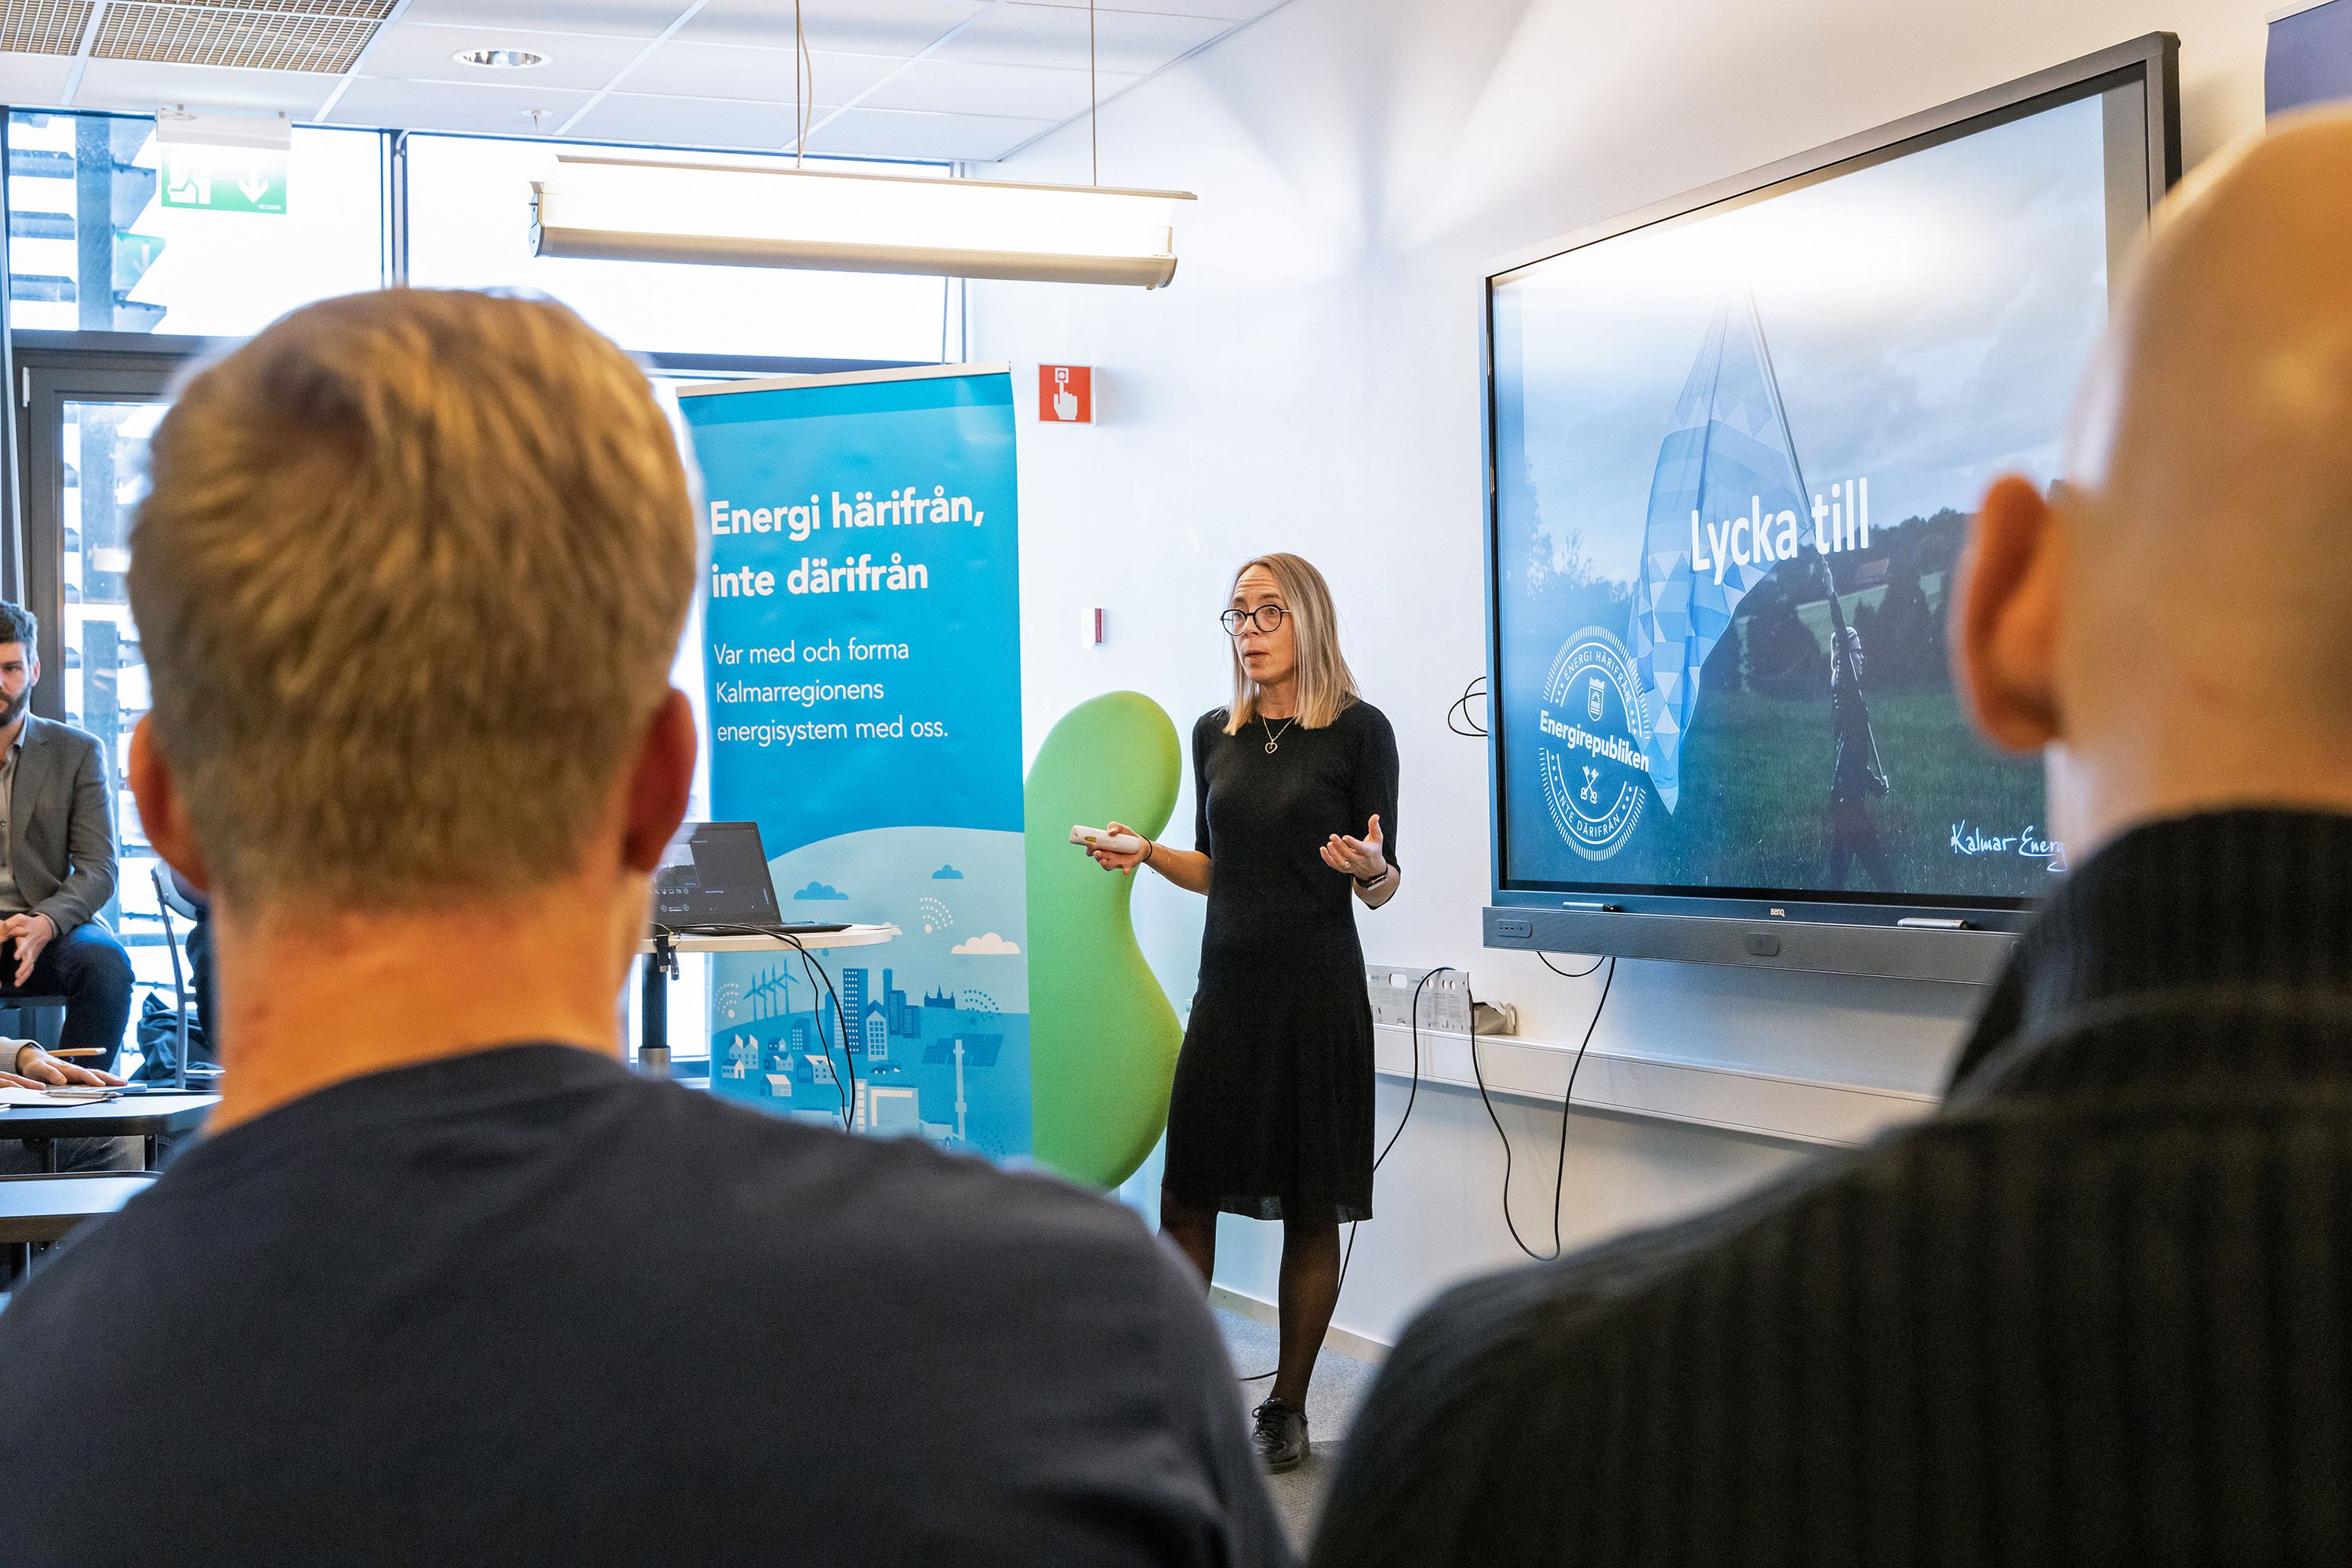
{"x":714,"y":876}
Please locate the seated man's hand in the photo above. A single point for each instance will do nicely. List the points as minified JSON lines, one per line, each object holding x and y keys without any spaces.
{"x":31,"y":933}
{"x":33,"y":1067}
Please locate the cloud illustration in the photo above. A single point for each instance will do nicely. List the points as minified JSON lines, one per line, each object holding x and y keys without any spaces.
{"x":947,"y":874}
{"x":819,"y":891}
{"x":988,"y":944}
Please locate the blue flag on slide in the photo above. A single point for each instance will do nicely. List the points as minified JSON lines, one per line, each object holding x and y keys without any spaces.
{"x":1726,"y":486}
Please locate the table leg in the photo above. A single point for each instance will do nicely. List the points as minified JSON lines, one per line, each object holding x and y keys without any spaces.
{"x":151,"y":1150}
{"x":653,"y":1034}
{"x":48,"y":1153}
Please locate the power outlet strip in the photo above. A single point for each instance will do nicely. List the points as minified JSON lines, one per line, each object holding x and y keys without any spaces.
{"x":1445,"y":1001}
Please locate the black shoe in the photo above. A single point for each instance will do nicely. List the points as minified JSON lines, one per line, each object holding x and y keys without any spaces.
{"x":1281,"y":1435}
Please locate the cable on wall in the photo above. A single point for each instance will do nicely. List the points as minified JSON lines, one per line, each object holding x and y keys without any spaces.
{"x":1567,"y":1109}
{"x":1567,"y":1100}
{"x":1468,"y":728}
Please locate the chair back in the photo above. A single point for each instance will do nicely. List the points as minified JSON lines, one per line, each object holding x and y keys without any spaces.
{"x":167,"y":900}
{"x":169,"y":895}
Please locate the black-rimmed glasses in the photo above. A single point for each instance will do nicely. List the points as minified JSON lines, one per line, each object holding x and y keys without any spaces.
{"x":1265,"y":619}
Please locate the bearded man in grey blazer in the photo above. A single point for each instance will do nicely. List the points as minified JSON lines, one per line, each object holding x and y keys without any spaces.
{"x":57,"y":860}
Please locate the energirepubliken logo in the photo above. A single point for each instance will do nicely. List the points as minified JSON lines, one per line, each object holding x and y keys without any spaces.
{"x":1595,"y":773}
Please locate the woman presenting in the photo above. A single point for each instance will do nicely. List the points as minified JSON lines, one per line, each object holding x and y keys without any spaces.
{"x":1272,"y":1112}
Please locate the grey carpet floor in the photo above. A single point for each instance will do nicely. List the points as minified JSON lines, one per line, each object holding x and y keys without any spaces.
{"x":1340,"y":1381}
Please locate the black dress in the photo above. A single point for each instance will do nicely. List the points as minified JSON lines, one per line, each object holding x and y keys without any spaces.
{"x":1272,"y":1112}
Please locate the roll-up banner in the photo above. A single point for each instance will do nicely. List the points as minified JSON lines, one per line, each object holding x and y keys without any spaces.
{"x":861,"y":628}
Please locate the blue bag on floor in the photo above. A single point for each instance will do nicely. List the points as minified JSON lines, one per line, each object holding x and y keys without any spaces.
{"x":159,"y":1041}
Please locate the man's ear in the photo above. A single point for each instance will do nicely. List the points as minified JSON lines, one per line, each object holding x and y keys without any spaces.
{"x":160,"y":813}
{"x":660,"y":781}
{"x":2005,"y":612}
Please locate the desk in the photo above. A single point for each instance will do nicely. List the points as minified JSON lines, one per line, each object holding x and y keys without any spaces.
{"x":132,"y":1116}
{"x":653,"y":1031}
{"x":44,"y":1208}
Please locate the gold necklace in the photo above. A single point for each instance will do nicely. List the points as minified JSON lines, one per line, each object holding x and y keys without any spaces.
{"x":1274,"y":736}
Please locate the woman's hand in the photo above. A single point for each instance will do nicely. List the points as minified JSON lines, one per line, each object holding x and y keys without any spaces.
{"x":1359,"y":857}
{"x":1112,"y":860}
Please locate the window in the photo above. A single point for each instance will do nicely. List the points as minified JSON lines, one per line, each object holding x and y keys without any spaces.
{"x":103,"y":444}
{"x":92,"y":246}
{"x":469,"y":227}
{"x":93,"y":249}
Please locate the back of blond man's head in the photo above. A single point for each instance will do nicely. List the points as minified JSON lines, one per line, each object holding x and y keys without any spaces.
{"x":409,"y":582}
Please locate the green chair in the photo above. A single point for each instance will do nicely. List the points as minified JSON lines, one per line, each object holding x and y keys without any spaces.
{"x":1102,"y":1038}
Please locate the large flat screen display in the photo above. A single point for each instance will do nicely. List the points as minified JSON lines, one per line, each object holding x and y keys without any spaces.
{"x":1735,"y":452}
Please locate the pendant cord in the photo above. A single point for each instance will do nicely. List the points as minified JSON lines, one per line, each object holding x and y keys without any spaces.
{"x":1094,"y":98}
{"x":802,"y":66}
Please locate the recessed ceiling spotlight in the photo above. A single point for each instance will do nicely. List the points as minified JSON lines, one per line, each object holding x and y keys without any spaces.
{"x":500,"y":59}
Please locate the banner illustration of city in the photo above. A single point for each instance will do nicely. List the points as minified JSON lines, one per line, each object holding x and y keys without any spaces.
{"x":861,"y":632}
{"x":1735,"y":460}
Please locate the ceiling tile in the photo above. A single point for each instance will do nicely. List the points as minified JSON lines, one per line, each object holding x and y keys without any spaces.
{"x":142,"y":85}
{"x":900,"y":27}
{"x":741,"y":70}
{"x":33,"y":80}
{"x":621,"y":18}
{"x":901,"y":133}
{"x":955,"y":86}
{"x":686,"y":122}
{"x":498,"y":111}
{"x":1129,"y":41}
{"x":417,"y":52}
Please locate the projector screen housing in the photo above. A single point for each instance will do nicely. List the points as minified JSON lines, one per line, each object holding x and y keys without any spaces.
{"x":1610,"y":835}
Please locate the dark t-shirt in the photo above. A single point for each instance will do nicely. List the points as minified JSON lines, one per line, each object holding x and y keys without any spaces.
{"x":522,"y":1306}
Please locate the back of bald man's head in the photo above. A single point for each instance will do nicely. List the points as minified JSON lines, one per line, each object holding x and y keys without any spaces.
{"x":2213,"y":447}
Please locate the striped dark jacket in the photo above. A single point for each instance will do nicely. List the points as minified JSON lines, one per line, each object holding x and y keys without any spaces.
{"x":2097,"y":1309}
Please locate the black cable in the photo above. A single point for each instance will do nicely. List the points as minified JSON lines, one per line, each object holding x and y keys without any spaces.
{"x":1567,"y":1100}
{"x":848,"y":1090}
{"x":1479,"y":1074}
{"x":1569,"y":974}
{"x":1411,"y":1096}
{"x":845,"y":1083}
{"x":1469,"y":728}
{"x":1559,"y":1180}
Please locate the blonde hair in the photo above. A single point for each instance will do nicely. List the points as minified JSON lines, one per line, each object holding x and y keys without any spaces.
{"x":1325,"y":685}
{"x":409,"y":582}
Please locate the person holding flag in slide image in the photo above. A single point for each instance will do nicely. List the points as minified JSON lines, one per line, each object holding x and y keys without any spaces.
{"x":1271,"y":1114}
{"x":1856,"y":775}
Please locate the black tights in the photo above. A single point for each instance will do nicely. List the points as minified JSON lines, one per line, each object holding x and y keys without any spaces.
{"x":1309,"y":1285}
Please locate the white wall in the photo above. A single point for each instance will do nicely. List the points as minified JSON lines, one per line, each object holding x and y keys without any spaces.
{"x":1310,"y":382}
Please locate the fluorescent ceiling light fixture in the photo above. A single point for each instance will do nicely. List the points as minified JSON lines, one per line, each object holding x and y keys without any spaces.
{"x":735,"y":216}
{"x":182,"y":126}
{"x":500,"y":59}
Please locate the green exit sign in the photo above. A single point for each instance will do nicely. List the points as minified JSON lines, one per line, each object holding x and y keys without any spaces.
{"x":224,"y":179}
